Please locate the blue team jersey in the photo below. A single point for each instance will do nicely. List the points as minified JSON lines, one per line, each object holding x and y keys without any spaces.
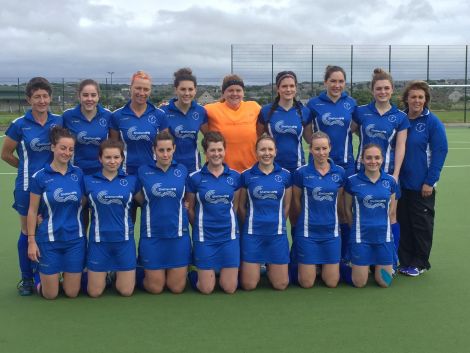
{"x":371,"y":203}
{"x":185,"y":129}
{"x":89,"y":135}
{"x":426,"y":151}
{"x":138,"y":134}
{"x":215,"y":221}
{"x":265,"y":211}
{"x":379,"y":129}
{"x":60,"y":205}
{"x":110,"y":202}
{"x":163,"y":212}
{"x":334,"y":119}
{"x":319,"y":216}
{"x":286,"y":127}
{"x":33,"y":145}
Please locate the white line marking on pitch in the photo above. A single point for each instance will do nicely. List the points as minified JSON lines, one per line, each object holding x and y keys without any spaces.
{"x":457,"y":166}
{"x":459,"y":148}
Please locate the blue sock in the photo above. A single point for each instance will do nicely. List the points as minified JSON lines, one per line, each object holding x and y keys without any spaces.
{"x":139,"y":277}
{"x":37,"y":282}
{"x":386,"y":277}
{"x":396,"y":241}
{"x":345,"y":272}
{"x":84,"y":282}
{"x":345,"y":235}
{"x":292,"y":232}
{"x":192,"y":277}
{"x":26,"y":267}
{"x":294,"y":273}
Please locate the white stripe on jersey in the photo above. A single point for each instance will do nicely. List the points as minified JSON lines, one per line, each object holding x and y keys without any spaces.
{"x":126,"y":217}
{"x":124,"y":162}
{"x":299,"y":148}
{"x":180,"y":214}
{"x":250,"y":218}
{"x":97,"y":220}
{"x":389,"y":151}
{"x":358,"y":221}
{"x":346,"y":145}
{"x":336,"y":217}
{"x":361,"y":146}
{"x":196,"y":158}
{"x":79,"y":220}
{"x":389,"y":228}
{"x":200,"y":218}
{"x":50,"y":225}
{"x":281,"y":209}
{"x":233,"y":233}
{"x":147,"y":214}
{"x":25,"y":167}
{"x":305,"y":213}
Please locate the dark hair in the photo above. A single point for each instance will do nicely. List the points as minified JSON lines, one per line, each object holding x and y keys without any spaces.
{"x":330,"y":69}
{"x":58,"y":132}
{"x":212,"y":136}
{"x":37,"y":83}
{"x":414,"y":85}
{"x":230,"y":80}
{"x":264,"y":136}
{"x":88,"y":82}
{"x":368,"y":147}
{"x":317,"y":135}
{"x":380,"y":74}
{"x":184,"y":74}
{"x":297,"y":104}
{"x":111,"y":144}
{"x":163,"y":136}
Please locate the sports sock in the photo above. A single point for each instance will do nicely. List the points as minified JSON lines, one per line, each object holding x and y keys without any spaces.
{"x":84,"y":282}
{"x":386,"y":277}
{"x":293,"y":273}
{"x":25,"y":263}
{"x":139,"y":277}
{"x":193,"y":278}
{"x":345,"y":272}
{"x":345,"y":234}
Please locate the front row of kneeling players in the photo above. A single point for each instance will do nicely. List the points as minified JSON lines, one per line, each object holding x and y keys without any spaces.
{"x":210,"y":199}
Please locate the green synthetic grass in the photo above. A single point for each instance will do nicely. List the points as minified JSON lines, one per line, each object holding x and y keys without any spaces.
{"x":425,"y":314}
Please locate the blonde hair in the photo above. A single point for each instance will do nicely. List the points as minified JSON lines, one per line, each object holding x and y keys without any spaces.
{"x":142,"y":75}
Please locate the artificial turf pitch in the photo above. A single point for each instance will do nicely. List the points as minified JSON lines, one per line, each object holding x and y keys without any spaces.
{"x":425,"y":314}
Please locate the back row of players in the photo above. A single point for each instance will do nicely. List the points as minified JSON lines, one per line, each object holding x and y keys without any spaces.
{"x":261,"y":195}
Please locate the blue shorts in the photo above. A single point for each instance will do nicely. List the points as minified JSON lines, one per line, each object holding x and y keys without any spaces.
{"x":21,"y":203}
{"x":111,"y":256}
{"x":363,"y":254}
{"x":214,"y":256}
{"x":310,"y":251}
{"x":266,"y":249}
{"x":164,"y":253}
{"x":62,"y":256}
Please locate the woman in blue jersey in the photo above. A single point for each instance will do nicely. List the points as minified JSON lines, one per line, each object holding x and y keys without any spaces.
{"x":212,"y":206}
{"x":185,"y":117}
{"x":89,"y":123}
{"x":137,"y":124}
{"x":264,"y":203}
{"x":111,"y":245}
{"x":58,"y":242}
{"x":284,"y":120}
{"x":165,"y":246}
{"x":426,"y":150}
{"x":315,"y":204}
{"x":332,"y":113}
{"x":368,"y":198}
{"x":382,"y":123}
{"x":28,"y":137}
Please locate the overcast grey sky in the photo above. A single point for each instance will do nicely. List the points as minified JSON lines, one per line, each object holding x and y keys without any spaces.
{"x":88,"y":38}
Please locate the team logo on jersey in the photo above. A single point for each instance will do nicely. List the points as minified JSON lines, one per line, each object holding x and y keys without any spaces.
{"x":152,"y":119}
{"x":37,"y":146}
{"x":261,"y":194}
{"x":372,"y":132}
{"x":335,"y":177}
{"x":420,"y":127}
{"x":319,"y":195}
{"x":229,"y":180}
{"x":278,"y":178}
{"x":123,"y":182}
{"x":135,"y":135}
{"x":74,"y":177}
{"x":178,"y":173}
{"x":347,"y":105}
{"x":184,"y":134}
{"x":386,"y":184}
{"x":285,"y":129}
{"x":392,"y":118}
{"x":369,"y":202}
{"x":195,"y":115}
{"x":211,"y":197}
{"x":103,"y":122}
{"x":83,"y":139}
{"x":158,"y":191}
{"x":106,"y":199}
{"x":61,"y":196}
{"x":329,"y":120}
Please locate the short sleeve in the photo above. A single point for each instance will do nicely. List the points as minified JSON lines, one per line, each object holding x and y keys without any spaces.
{"x":192,"y":183}
{"x":348,"y":186}
{"x":14,"y":132}
{"x":298,"y":178}
{"x":36,"y":186}
{"x":113,"y":123}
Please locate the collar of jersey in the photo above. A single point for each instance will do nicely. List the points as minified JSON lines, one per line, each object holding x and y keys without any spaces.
{"x":77,"y":113}
{"x":48,"y":169}
{"x":255,"y":169}
{"x":394,"y":109}
{"x":29,"y":116}
{"x":333,"y":167}
{"x":362,"y":175}
{"x":173,"y":107}
{"x":205,"y":170}
{"x":128,"y":111}
{"x":324,"y":97}
{"x":100,"y":175}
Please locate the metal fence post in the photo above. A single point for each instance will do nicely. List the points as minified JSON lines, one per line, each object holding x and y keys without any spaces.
{"x":272,"y":72}
{"x":311,"y":77}
{"x":19,"y":96}
{"x":63,"y":94}
{"x":390,"y":59}
{"x":465,"y":89}
{"x":427,"y":67}
{"x":351,"y":84}
{"x":231,"y":59}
